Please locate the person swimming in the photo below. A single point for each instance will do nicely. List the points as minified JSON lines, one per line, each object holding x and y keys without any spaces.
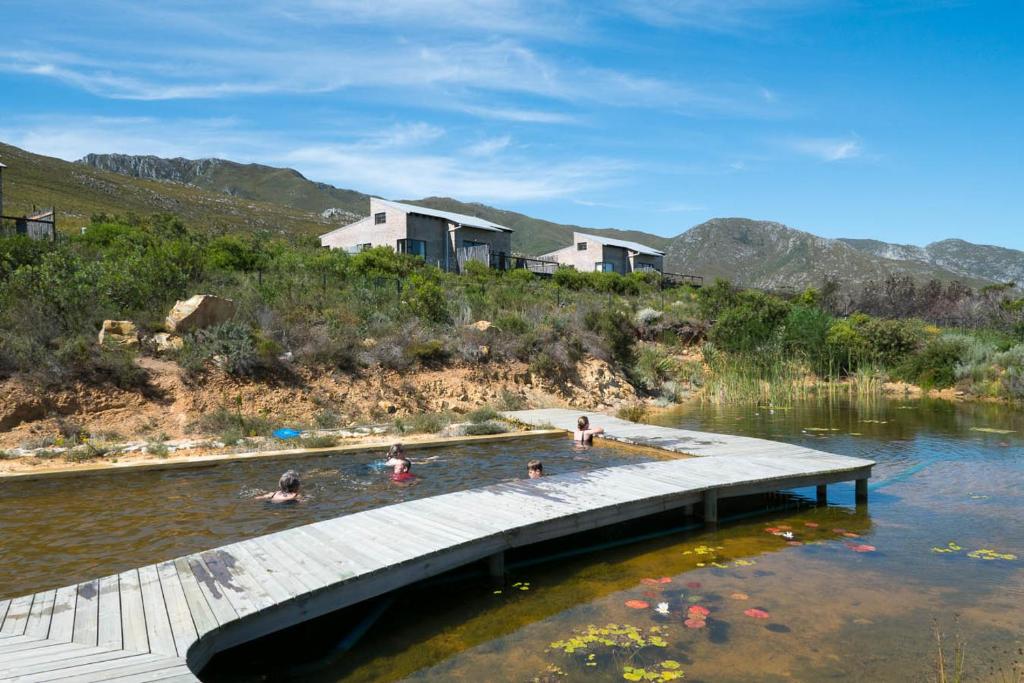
{"x":288,"y":489}
{"x":584,"y":434}
{"x":403,"y":471}
{"x":535,"y":469}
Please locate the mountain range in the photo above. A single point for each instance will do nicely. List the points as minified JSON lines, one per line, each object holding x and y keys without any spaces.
{"x":221,"y":195}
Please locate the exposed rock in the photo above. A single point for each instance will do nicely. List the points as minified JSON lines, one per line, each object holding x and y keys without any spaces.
{"x":201,"y":310}
{"x":481,"y":325}
{"x":386,"y":407}
{"x":119,"y":333}
{"x":165,"y":342}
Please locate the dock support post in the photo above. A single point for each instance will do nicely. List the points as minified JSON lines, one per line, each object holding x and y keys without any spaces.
{"x":862,"y":491}
{"x":688,"y":510}
{"x":822,"y":494}
{"x":711,"y":507}
{"x":496,"y":565}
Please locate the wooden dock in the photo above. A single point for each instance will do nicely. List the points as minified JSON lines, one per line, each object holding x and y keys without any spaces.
{"x":164,"y":622}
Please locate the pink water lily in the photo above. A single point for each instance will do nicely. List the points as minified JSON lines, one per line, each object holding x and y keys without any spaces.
{"x":695,"y":623}
{"x":756,"y":613}
{"x":637,"y":604}
{"x":698,"y":609}
{"x":861,"y":548}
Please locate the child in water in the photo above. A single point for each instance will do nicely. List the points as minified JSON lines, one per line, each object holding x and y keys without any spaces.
{"x":402,"y":471}
{"x":584,"y":434}
{"x":535,"y":469}
{"x":288,"y":489}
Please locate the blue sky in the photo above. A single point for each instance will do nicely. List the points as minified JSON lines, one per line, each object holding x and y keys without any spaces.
{"x":900,"y":120}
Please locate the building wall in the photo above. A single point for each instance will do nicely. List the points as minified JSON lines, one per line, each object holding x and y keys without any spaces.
{"x":619,"y":256}
{"x":583,"y":261}
{"x":498,"y":241}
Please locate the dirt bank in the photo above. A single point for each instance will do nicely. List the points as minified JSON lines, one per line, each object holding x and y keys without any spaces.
{"x":169,"y":406}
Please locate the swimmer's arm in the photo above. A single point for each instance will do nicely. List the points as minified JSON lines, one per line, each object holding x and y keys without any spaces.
{"x":265,"y":496}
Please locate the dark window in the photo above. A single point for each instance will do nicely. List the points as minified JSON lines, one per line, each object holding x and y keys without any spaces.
{"x":581,"y":246}
{"x":379,"y":218}
{"x":414,"y":247}
{"x":605,"y":266}
{"x":471,"y":243}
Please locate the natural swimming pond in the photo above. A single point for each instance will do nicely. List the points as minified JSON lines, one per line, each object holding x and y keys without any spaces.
{"x":54,"y":532}
{"x":800,"y":592}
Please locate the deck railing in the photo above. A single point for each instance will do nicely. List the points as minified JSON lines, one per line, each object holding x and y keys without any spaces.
{"x":503,"y":261}
{"x":676,"y":279}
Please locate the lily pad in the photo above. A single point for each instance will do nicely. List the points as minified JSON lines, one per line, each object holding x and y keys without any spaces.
{"x":739,"y":596}
{"x":756,"y":613}
{"x":992,"y":430}
{"x":811,"y":525}
{"x":695,"y":623}
{"x":637,"y":604}
{"x":693,"y":584}
{"x":698,"y":609}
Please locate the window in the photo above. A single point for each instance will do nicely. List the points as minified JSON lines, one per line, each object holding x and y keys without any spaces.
{"x":646,"y":267}
{"x":604,"y":266}
{"x":581,"y":246}
{"x":471,"y":243}
{"x":379,"y":218}
{"x":414,"y":247}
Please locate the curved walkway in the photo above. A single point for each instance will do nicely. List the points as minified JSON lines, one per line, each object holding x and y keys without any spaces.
{"x":163,"y":622}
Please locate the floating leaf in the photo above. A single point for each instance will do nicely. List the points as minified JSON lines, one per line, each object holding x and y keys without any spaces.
{"x":693,"y":584}
{"x":850,"y":534}
{"x":794,"y":542}
{"x":497,"y":593}
{"x":756,"y":613}
{"x":695,"y":623}
{"x":637,"y":604}
{"x":772,"y":529}
{"x":744,"y":563}
{"x":992,"y":430}
{"x":650,"y":582}
{"x":989,"y":554}
{"x":811,"y":525}
{"x":784,"y":527}
{"x":665,"y":579}
{"x":698,"y":609}
{"x":739,"y":596}
{"x":695,"y":598}
{"x":670,"y":664}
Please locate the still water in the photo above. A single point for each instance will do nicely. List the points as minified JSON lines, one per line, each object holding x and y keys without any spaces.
{"x":799,"y":593}
{"x":60,"y":531}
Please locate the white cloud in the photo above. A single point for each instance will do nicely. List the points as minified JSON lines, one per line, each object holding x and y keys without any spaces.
{"x":828,"y":149}
{"x":489,"y":147}
{"x":707,"y":15}
{"x":405,"y":174}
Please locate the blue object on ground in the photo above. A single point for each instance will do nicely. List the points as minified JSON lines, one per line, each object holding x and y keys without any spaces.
{"x":286,"y":433}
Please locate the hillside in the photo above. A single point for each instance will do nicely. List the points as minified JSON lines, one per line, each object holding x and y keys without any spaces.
{"x":79,"y":191}
{"x":772,"y":255}
{"x":965,"y":258}
{"x":289,"y":187}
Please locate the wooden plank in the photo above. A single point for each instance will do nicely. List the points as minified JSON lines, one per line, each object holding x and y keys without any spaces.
{"x":260,"y":574}
{"x":46,"y":655}
{"x":309,"y":566}
{"x":66,"y":664}
{"x":63,"y":622}
{"x":133,"y":612}
{"x":87,"y":613}
{"x":158,"y":624}
{"x":182,"y":627}
{"x":243,"y":596}
{"x":39,"y":616}
{"x":4,"y":604}
{"x":127,"y":668}
{"x":16,"y":618}
{"x":109,"y":620}
{"x":221,"y":607}
{"x":203,"y":617}
{"x":285,"y":570}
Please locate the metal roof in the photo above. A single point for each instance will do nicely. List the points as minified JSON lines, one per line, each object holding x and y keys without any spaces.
{"x":460,"y":218}
{"x":3,"y":165}
{"x":625,"y":244}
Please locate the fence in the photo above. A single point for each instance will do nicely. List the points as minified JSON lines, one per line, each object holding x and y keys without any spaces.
{"x":676,"y":279}
{"x":503,"y":261}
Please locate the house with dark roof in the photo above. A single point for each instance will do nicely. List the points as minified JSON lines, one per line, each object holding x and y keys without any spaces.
{"x":593,"y":252}
{"x":442,"y":238}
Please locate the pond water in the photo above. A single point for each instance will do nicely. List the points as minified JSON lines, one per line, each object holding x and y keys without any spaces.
{"x":59,"y":531}
{"x":857,"y":593}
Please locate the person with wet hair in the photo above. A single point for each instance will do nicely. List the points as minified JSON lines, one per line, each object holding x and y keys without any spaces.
{"x":584,"y":433}
{"x":403,"y":472}
{"x":535,"y":469}
{"x":288,"y":489}
{"x":397,"y":459}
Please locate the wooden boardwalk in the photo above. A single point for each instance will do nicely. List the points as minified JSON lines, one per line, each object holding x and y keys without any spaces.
{"x":163,"y":622}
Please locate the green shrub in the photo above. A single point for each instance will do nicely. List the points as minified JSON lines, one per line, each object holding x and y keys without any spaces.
{"x":158,"y":448}
{"x":233,"y":423}
{"x":484,"y":428}
{"x":428,"y":300}
{"x":482,"y":414}
{"x":652,"y":368}
{"x":511,"y":323}
{"x":634,"y":412}
{"x":935,"y":364}
{"x":615,"y":326}
{"x":424,"y":423}
{"x":750,"y":324}
{"x":508,"y":400}
{"x":318,"y":441}
{"x":428,"y":353}
{"x":231,"y":345}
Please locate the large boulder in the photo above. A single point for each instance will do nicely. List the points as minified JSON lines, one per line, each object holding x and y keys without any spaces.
{"x":119,"y":333}
{"x":202,"y":310}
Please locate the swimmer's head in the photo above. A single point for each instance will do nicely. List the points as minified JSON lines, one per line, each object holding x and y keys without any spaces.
{"x":535,"y":469}
{"x":289,"y":482}
{"x":403,"y":467}
{"x":583,"y":422}
{"x":396,"y":451}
